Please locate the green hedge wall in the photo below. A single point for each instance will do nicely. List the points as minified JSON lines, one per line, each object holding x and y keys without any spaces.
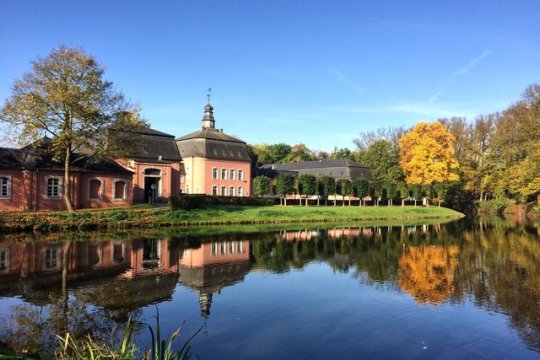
{"x":193,"y":201}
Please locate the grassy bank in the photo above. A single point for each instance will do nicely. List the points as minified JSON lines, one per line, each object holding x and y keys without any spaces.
{"x":125,"y":218}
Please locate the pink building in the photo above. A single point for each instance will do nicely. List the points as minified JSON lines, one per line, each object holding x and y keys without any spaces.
{"x":156,"y":167}
{"x":214,"y":163}
{"x":31,"y":180}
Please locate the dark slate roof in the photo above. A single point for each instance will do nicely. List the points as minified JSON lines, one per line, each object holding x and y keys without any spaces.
{"x":212,"y":144}
{"x":210,"y":133}
{"x":337,"y":168}
{"x":29,"y":158}
{"x":157,"y":145}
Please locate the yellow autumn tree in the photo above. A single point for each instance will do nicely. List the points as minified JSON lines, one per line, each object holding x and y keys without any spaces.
{"x":427,"y":154}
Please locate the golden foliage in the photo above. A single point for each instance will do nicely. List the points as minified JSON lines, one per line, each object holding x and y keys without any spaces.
{"x":427,"y":273}
{"x":427,"y":154}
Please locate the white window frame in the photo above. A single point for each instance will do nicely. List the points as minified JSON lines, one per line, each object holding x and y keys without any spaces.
{"x":101,"y":183}
{"x":240,"y":192}
{"x":214,"y":190}
{"x":231,"y":174}
{"x":223,"y":190}
{"x":126,"y":187}
{"x":240,"y":174}
{"x":231,"y":190}
{"x":7,"y":186}
{"x":215,"y":173}
{"x":187,"y":188}
{"x":60,"y":185}
{"x":223,"y":174}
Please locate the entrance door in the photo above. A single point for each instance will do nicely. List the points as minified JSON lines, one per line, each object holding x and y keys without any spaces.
{"x":151,"y":185}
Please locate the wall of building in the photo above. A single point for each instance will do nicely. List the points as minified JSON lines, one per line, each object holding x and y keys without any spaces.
{"x":29,"y":190}
{"x":193,"y":179}
{"x":169,"y":180}
{"x":210,"y":164}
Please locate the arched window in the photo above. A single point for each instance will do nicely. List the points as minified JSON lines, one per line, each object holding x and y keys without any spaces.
{"x":95,"y":189}
{"x":5,"y":187}
{"x":120,"y":190}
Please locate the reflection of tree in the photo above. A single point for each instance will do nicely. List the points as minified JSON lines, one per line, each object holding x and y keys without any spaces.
{"x":499,"y":266}
{"x":427,"y":273}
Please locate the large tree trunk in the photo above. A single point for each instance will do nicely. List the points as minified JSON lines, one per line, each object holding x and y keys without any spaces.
{"x":67,"y":180}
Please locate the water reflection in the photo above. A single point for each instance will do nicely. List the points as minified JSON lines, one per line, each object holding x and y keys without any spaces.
{"x":85,"y":286}
{"x":213,"y":266}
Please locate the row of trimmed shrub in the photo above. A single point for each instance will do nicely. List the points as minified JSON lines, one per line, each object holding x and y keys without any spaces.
{"x":193,"y":201}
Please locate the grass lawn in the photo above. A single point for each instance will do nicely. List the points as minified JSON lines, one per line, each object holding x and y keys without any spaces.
{"x":144,"y":217}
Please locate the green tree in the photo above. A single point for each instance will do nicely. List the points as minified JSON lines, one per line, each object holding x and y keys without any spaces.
{"x":326,"y":186}
{"x":65,"y":98}
{"x":516,"y":145}
{"x":307,"y":185}
{"x":284,"y":186}
{"x":360,"y":188}
{"x":278,"y":152}
{"x":341,"y":153}
{"x":299,"y":153}
{"x":382,"y":158}
{"x":261,"y":185}
{"x":344,"y":188}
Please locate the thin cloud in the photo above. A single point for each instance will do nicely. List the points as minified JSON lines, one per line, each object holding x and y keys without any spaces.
{"x":345,"y":80}
{"x":435,"y":96}
{"x":428,"y":110}
{"x":472,"y":63}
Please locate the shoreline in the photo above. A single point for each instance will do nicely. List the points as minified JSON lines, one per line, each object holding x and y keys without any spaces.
{"x":216,"y":216}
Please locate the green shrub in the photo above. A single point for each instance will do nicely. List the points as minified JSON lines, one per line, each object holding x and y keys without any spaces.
{"x":194,"y":201}
{"x":493,"y":207}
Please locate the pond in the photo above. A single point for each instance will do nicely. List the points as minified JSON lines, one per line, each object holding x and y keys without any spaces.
{"x":468,"y":290}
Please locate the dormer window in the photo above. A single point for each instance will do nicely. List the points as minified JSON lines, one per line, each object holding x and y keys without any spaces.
{"x":146,"y":148}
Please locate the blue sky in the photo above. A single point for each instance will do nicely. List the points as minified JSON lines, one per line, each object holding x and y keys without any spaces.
{"x":313,"y":72}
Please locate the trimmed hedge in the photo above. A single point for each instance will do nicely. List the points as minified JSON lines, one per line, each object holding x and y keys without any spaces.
{"x":193,"y":201}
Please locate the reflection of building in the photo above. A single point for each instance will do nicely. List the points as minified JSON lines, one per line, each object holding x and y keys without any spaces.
{"x":427,"y":273}
{"x":137,"y":270}
{"x":214,"y":163}
{"x":291,"y":235}
{"x":212,"y":267}
{"x":344,"y":232}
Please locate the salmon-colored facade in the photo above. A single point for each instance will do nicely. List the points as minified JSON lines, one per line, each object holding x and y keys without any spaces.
{"x":43,"y":190}
{"x":214,"y":163}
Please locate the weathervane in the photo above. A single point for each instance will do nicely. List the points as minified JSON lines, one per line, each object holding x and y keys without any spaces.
{"x":209,"y":94}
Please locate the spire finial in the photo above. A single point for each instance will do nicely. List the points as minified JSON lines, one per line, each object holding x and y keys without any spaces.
{"x":209,"y":94}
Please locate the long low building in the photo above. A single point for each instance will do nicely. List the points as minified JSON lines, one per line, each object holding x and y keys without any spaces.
{"x":336,"y":168}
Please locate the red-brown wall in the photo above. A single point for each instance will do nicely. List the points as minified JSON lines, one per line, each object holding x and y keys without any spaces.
{"x":28,"y":190}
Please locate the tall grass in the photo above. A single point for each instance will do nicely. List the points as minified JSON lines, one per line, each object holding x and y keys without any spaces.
{"x":88,"y":348}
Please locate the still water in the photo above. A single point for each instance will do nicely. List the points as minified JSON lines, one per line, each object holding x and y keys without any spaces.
{"x":459,"y":290}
